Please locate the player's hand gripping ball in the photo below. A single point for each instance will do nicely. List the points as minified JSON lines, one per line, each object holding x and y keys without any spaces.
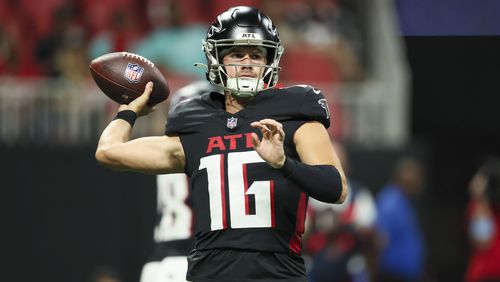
{"x":122,"y":76}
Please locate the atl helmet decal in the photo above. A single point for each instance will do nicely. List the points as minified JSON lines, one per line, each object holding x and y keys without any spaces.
{"x":248,"y":36}
{"x":232,"y":122}
{"x":133,"y":73}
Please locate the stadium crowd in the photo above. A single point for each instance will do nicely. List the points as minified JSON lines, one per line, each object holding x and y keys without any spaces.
{"x":58,"y":38}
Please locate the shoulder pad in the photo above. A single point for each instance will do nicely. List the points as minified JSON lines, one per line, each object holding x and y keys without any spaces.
{"x":302,"y":88}
{"x":313,"y":105}
{"x":185,"y":116}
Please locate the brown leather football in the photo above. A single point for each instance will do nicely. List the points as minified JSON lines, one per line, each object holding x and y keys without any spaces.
{"x":122,"y":76}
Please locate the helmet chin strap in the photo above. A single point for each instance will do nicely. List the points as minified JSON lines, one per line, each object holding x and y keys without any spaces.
{"x":245,"y":86}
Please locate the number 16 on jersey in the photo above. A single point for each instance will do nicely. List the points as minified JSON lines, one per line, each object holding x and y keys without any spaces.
{"x":238,"y":188}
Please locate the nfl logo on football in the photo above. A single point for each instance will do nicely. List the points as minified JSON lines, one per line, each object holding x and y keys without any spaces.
{"x":133,"y":72}
{"x":232,"y":122}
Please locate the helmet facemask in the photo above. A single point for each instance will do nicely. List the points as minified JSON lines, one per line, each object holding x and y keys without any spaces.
{"x":242,"y":86}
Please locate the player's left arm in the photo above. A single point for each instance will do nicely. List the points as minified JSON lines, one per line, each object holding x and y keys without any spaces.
{"x":318,"y":173}
{"x":315,"y":149}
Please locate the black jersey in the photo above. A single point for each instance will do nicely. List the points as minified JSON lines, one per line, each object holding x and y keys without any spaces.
{"x":241,"y":202}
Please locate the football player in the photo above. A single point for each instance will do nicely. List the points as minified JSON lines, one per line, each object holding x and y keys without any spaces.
{"x":253,"y":155}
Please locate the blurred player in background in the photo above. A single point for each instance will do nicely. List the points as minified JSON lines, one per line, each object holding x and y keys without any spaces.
{"x":484,"y":224}
{"x":173,"y":235}
{"x":402,"y":255}
{"x":253,"y":155}
{"x":341,"y":239}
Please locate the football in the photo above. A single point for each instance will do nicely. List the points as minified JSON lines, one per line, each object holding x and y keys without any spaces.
{"x":122,"y":76}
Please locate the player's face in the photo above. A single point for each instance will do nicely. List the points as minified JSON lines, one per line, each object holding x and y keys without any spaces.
{"x":242,"y":62}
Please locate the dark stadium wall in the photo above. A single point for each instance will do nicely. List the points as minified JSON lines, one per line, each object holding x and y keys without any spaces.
{"x":455,"y":100}
{"x":66,"y":216}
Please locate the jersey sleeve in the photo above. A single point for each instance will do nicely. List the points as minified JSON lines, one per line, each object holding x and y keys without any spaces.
{"x":314,"y":106}
{"x":184,"y":118}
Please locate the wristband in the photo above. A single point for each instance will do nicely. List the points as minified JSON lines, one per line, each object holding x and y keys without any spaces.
{"x":127,"y":115}
{"x":287,"y":167}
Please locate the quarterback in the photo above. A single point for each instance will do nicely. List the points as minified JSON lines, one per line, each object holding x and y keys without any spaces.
{"x":253,"y":154}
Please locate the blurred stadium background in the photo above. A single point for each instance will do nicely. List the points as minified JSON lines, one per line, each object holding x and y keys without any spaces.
{"x":401,"y":77}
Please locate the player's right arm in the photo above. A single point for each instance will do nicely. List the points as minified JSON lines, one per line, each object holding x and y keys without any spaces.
{"x":155,"y":154}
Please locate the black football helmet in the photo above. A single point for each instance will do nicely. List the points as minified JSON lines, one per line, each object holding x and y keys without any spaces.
{"x":242,"y":26}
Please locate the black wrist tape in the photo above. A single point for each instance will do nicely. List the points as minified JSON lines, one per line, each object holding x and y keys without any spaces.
{"x":322,"y":182}
{"x":127,"y":115}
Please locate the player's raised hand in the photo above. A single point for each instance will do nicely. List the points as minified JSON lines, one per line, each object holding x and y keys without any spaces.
{"x":270,"y":148}
{"x":139,"y":105}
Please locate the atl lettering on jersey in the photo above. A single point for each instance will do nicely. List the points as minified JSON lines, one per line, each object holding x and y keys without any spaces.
{"x":229,"y":142}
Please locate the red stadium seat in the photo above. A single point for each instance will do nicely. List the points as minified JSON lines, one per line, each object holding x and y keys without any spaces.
{"x":42,"y":13}
{"x":219,"y":6}
{"x":99,"y":13}
{"x":306,"y":66}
